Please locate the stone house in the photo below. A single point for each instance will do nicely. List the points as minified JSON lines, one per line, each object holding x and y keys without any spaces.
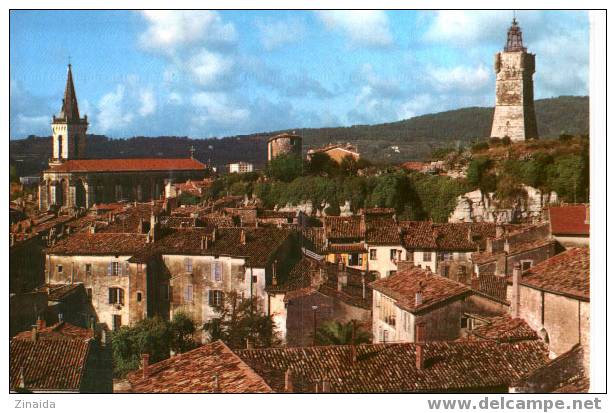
{"x":200,"y":266}
{"x":416,"y":302}
{"x":337,"y":152}
{"x":115,"y":270}
{"x":554,"y":299}
{"x":345,"y":241}
{"x":383,"y":241}
{"x":526,"y":247}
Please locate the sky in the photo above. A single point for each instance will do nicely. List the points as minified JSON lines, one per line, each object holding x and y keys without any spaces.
{"x":219,"y":73}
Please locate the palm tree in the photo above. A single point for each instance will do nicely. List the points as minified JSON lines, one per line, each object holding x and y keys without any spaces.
{"x":337,"y":333}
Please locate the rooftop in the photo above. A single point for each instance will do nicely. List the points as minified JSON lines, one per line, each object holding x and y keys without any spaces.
{"x":448,"y":366}
{"x":403,"y":286}
{"x":567,"y":273}
{"x":197,"y":371}
{"x":504,"y":329}
{"x":129,"y":165}
{"x":86,"y":243}
{"x":569,"y":220}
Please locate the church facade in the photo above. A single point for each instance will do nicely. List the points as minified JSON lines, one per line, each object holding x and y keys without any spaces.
{"x":514,"y":111}
{"x":74,"y":181}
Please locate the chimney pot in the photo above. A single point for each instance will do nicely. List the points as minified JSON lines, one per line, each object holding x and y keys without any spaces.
{"x":216,"y":384}
{"x":34,"y":333}
{"x":419,"y":356}
{"x":515,"y":292}
{"x":40,"y":324}
{"x":145,"y":364}
{"x":288,"y":381}
{"x":242,"y":237}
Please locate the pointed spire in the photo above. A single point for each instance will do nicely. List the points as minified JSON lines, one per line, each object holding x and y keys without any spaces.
{"x":70,"y":110}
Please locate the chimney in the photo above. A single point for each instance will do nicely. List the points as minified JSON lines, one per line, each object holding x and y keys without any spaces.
{"x":326,"y":386}
{"x":216,"y":383}
{"x":40,"y":324}
{"x":419,"y":356}
{"x":506,"y":246}
{"x":475,"y":283}
{"x":515,"y":291}
{"x":145,"y":364}
{"x":22,"y":378}
{"x":469,"y":235}
{"x":214,"y":231}
{"x":363,"y":287}
{"x":35,"y":334}
{"x":93,"y":228}
{"x":420,"y":332}
{"x":288,"y":381}
{"x":242,"y":237}
{"x":249,"y":343}
{"x":353,"y":347}
{"x":342,"y":279}
{"x":418,"y":298}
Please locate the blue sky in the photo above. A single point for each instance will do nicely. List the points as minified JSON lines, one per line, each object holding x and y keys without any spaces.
{"x":208,"y":73}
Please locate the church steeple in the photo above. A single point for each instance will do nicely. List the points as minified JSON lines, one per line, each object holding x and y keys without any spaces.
{"x":69,"y":129}
{"x":70,"y":110}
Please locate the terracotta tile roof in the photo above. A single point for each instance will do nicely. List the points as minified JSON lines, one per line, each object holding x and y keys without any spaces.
{"x":493,"y":286}
{"x":314,"y":239}
{"x":58,"y":331}
{"x":195,"y":372}
{"x":261,"y":243}
{"x":567,"y":273}
{"x":403,"y":285}
{"x":52,"y":365}
{"x":343,"y":227}
{"x":129,"y":165}
{"x":415,"y":166}
{"x":448,"y":366}
{"x":504,"y":329}
{"x":418,"y":234}
{"x":58,"y":292}
{"x":336,"y":248}
{"x":569,"y":220}
{"x":85,"y":243}
{"x":353,"y":292}
{"x":381,"y":228}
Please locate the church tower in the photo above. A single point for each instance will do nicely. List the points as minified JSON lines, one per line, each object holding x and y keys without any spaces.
{"x":69,"y":130}
{"x":514,"y":112}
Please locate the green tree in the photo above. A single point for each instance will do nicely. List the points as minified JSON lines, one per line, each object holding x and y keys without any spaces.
{"x":479,"y":175}
{"x":238,"y":320}
{"x":321,"y":163}
{"x":285,"y":167}
{"x":568,"y":176}
{"x":337,"y":333}
{"x":182,"y":328}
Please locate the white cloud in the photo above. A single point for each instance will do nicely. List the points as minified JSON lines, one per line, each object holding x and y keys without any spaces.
{"x":461,"y":78}
{"x":113,"y":115}
{"x":276,"y":33}
{"x":362,"y":27}
{"x":218,"y":109}
{"x":148,"y":102}
{"x":170,"y":30}
{"x":208,"y":67}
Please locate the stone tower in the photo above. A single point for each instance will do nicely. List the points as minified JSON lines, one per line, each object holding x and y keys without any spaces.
{"x":514,"y":111}
{"x":69,"y":130}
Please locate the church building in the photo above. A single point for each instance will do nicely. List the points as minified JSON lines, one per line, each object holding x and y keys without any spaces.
{"x":73,"y":180}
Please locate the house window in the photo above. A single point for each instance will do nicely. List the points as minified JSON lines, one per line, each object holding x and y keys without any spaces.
{"x":164,"y":292}
{"x":355,"y":259}
{"x":188,"y":265}
{"x":139,"y":297}
{"x":393,"y":255}
{"x":188,"y":293}
{"x":116,"y":296}
{"x":464,"y":322}
{"x":255,"y":279}
{"x":373,"y":254}
{"x":445,"y":271}
{"x":59,"y":268}
{"x":526,"y":264}
{"x":88,"y":269}
{"x":114,"y":268}
{"x":217,"y":271}
{"x":385,"y":336}
{"x":215,"y":298}
{"x":117,"y":322}
{"x":427,"y":256}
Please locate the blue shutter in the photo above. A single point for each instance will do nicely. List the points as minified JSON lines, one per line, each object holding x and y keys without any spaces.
{"x":110,"y":268}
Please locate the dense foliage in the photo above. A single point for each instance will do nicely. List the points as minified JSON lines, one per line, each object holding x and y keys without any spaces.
{"x":237,"y":321}
{"x":337,"y":333}
{"x":154,"y":336}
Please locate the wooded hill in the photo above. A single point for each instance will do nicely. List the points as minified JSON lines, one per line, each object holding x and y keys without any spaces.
{"x":411,"y":139}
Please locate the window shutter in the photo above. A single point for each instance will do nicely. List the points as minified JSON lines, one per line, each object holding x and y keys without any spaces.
{"x":110,"y":268}
{"x":126,"y":269}
{"x":111,"y":296}
{"x":210,"y":298}
{"x":121,"y":296}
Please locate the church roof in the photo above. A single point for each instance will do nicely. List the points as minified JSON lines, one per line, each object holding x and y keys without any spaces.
{"x":70,"y":110}
{"x":128,"y":165}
